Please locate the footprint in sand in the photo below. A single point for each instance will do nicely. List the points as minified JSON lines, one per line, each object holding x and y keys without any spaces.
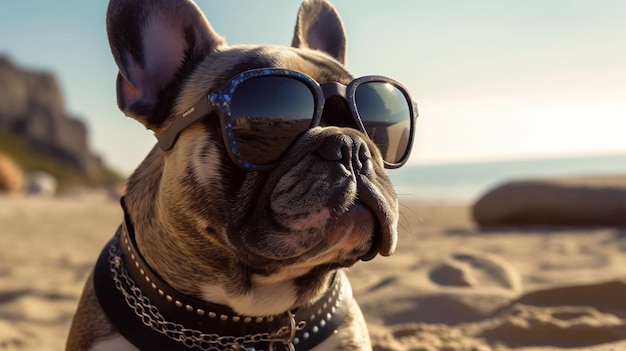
{"x":559,"y":326}
{"x":447,"y":288}
{"x":11,"y":338}
{"x":475,"y":270}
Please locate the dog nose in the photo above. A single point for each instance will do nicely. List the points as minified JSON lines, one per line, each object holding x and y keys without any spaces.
{"x":349,"y":150}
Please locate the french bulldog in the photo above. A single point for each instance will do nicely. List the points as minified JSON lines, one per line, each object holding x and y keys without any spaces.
{"x":267,"y":180}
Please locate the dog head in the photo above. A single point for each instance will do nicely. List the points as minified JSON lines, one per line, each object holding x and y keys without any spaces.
{"x":199,"y":216}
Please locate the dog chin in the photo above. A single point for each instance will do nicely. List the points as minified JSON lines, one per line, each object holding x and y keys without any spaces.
{"x":353,"y":231}
{"x":346,"y":238}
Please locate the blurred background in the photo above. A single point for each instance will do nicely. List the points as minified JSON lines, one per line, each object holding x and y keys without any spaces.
{"x":504,"y":89}
{"x":519,"y":159}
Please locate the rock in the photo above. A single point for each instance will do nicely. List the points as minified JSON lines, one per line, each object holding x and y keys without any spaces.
{"x":553,"y":203}
{"x":32,"y":108}
{"x":11,"y":176}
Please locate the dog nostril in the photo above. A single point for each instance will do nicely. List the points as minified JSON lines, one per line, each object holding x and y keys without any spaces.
{"x":364,"y":153}
{"x":349,"y":150}
{"x":335,"y":147}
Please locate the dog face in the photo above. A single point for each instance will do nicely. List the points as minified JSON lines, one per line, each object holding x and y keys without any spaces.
{"x":327,"y":204}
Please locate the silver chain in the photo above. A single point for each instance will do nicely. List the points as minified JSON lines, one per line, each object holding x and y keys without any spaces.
{"x":191,"y":338}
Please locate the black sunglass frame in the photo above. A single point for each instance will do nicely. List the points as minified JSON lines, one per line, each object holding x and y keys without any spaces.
{"x":220,"y":102}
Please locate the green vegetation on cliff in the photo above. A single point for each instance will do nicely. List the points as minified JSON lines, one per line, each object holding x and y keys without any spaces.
{"x":31,"y":161}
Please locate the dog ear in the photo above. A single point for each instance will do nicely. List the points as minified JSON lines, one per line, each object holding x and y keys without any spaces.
{"x":155,"y":44}
{"x":319,"y":27}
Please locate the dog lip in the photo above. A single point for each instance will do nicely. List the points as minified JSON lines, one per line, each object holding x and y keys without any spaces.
{"x":386,"y":234}
{"x":377,"y":238}
{"x":368,"y":197}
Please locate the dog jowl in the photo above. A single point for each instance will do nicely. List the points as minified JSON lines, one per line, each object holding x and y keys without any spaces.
{"x":268,"y":178}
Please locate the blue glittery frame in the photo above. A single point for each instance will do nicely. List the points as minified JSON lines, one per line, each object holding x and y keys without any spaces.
{"x":220,"y":100}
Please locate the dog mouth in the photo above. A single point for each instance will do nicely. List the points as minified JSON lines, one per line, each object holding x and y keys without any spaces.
{"x":337,"y":220}
{"x":365,"y":229}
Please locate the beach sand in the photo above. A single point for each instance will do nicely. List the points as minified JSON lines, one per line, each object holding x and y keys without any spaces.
{"x":450,"y":286}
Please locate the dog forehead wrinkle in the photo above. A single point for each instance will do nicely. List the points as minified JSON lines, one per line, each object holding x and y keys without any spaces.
{"x":326,"y":68}
{"x":216,"y":69}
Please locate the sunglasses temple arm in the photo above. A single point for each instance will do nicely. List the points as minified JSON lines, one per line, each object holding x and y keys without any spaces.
{"x":195,"y":113}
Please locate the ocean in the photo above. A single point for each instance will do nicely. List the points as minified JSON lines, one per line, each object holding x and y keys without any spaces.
{"x":462,"y":182}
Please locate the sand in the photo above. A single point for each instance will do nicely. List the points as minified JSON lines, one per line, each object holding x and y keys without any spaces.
{"x":450,"y":286}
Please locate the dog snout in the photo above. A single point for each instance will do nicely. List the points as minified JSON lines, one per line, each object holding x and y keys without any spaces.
{"x":349,"y":150}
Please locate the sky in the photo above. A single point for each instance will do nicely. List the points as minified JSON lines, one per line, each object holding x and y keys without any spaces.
{"x":493,"y":79}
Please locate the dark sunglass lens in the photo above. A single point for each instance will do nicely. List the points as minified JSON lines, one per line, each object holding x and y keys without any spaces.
{"x":386,"y":116}
{"x":268,"y":114}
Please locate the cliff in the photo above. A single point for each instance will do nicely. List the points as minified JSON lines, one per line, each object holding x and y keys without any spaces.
{"x":32,"y":110}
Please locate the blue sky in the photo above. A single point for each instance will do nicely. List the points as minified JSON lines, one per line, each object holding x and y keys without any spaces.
{"x":493,"y":79}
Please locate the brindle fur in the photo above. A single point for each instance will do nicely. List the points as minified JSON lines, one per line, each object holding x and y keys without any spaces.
{"x":197,"y":215}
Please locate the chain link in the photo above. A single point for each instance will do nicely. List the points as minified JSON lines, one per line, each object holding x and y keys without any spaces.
{"x":193,"y":339}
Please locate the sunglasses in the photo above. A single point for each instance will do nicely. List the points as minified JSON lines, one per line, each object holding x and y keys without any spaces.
{"x":263,"y":111}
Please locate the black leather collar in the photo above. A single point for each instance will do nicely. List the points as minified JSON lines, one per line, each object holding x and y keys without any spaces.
{"x":154,"y":316}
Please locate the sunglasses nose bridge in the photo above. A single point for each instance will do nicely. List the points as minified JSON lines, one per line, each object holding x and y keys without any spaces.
{"x":333,"y":89}
{"x":335,"y":94}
